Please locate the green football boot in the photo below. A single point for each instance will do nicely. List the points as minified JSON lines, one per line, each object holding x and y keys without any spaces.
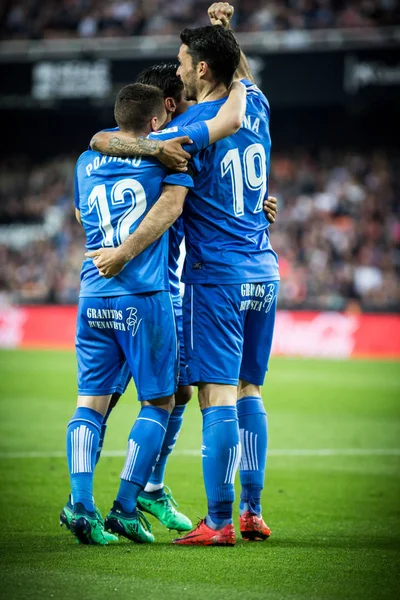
{"x":164,"y":510}
{"x":66,"y":518}
{"x":88,"y":528}
{"x":133,"y":526}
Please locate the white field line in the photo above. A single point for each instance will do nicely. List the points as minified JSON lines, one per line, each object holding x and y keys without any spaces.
{"x":316,"y":452}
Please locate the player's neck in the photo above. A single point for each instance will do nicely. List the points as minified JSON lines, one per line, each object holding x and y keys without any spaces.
{"x":211,"y":91}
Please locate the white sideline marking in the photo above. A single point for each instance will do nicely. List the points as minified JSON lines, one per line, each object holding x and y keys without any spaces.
{"x":316,"y":452}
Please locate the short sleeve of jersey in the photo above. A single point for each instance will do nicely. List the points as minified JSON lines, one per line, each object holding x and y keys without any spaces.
{"x":198,"y":133}
{"x":179,"y":179}
{"x":251,"y":88}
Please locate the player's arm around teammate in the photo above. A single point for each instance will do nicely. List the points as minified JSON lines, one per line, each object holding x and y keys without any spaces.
{"x":118,"y":143}
{"x":110,"y":261}
{"x":225,"y":123}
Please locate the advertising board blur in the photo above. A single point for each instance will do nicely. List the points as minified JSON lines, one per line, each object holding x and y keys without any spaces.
{"x":305,"y":334}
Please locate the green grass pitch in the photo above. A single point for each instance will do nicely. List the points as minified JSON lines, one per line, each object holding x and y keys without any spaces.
{"x":332,"y":495}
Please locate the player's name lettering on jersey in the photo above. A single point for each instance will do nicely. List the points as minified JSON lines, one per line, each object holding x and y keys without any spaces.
{"x":107,"y":325}
{"x":100,"y":161}
{"x":104,"y":313}
{"x":251,"y":122}
{"x":253,"y":289}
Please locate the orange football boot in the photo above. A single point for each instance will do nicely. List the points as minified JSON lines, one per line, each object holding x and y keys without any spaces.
{"x":203,"y":535}
{"x":253,"y":527}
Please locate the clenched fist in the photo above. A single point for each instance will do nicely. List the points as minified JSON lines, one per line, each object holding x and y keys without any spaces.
{"x":221,"y":13}
{"x":109,"y":261}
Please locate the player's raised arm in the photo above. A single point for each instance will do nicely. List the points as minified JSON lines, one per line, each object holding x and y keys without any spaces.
{"x":117,"y":143}
{"x":111,"y":261}
{"x":221,"y":13}
{"x":230,"y":116}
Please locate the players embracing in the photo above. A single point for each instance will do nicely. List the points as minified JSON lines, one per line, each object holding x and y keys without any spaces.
{"x":231,"y":276}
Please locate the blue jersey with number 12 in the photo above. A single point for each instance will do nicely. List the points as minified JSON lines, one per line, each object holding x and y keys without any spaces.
{"x":113,"y":195}
{"x":226,"y":232}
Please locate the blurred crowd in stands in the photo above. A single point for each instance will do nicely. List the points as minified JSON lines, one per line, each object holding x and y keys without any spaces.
{"x":38,"y":19}
{"x":337,"y":232}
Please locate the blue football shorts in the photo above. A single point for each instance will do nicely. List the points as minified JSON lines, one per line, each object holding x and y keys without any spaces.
{"x":228,"y":331}
{"x":138,"y":330}
{"x":125,"y":373}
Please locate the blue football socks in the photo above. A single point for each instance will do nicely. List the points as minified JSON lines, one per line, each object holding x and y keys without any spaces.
{"x":144,"y":446}
{"x":156,"y":480}
{"x":221,"y":455}
{"x":253,"y":427}
{"x":83,"y":434}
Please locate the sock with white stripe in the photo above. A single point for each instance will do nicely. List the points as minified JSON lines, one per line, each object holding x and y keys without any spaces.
{"x":83,"y":434}
{"x":221,"y":455}
{"x":144,"y":447}
{"x":173,"y":429}
{"x":253,"y":426}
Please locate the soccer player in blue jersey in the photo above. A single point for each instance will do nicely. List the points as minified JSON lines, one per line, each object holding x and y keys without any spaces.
{"x":130,"y":317}
{"x":156,"y":499}
{"x":231,"y":275}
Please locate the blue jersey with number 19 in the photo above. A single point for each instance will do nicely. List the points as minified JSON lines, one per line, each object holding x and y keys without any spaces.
{"x":226,"y":231}
{"x":113,"y":196}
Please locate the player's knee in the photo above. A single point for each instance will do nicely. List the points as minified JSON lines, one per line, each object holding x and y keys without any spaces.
{"x":167,"y":403}
{"x":245,"y":388}
{"x":183,"y":395}
{"x":97,"y":403}
{"x":216,"y":394}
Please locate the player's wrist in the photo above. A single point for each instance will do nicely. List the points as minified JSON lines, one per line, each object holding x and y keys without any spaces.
{"x":158,"y":149}
{"x":124,"y":254}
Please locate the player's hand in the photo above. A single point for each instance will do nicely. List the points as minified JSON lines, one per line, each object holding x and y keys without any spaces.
{"x":270,"y":208}
{"x":109,"y":261}
{"x":173,"y":156}
{"x":221,"y":13}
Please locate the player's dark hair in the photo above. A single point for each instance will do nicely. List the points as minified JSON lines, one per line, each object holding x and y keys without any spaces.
{"x":164,"y":77}
{"x":136,"y":104}
{"x":217,"y":47}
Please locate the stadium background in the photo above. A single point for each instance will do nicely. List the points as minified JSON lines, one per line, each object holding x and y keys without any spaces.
{"x":331,"y":71}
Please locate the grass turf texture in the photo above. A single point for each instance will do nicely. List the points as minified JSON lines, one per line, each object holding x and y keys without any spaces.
{"x":335,"y":519}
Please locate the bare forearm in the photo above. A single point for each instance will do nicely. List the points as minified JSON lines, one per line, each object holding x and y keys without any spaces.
{"x":243,"y":70}
{"x":230,"y":116}
{"x":111,"y":261}
{"x":156,"y":222}
{"x":122,"y":145}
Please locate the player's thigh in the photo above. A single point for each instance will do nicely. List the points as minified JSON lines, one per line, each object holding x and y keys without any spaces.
{"x":98,"y":355}
{"x":213,"y":332}
{"x":149,"y":342}
{"x":258,"y":334}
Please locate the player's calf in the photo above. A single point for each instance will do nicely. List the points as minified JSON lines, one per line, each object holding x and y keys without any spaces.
{"x":144,"y":446}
